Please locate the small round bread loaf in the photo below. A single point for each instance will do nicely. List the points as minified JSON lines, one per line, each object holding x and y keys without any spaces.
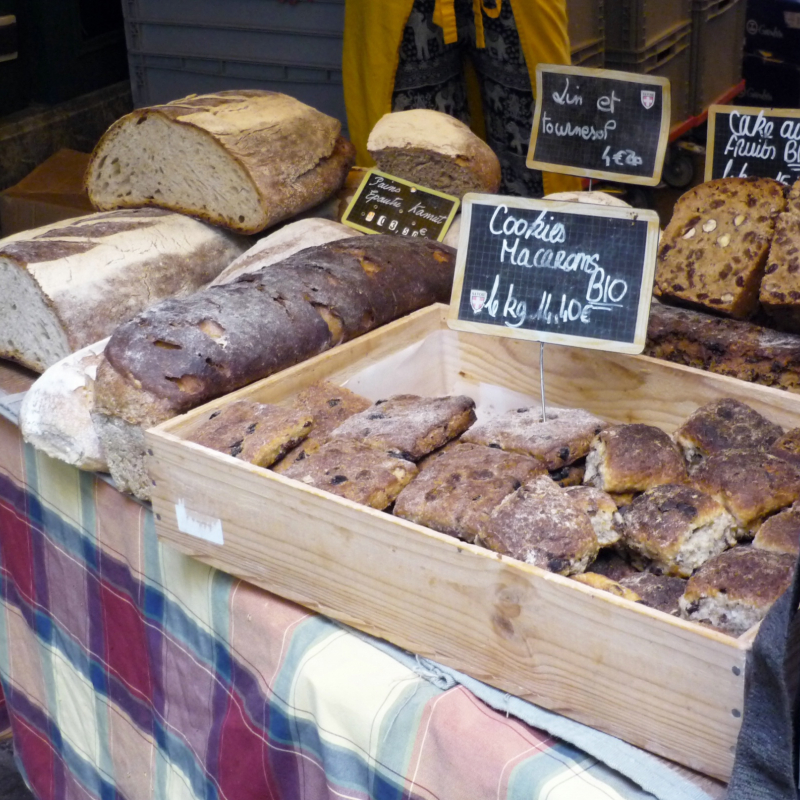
{"x":750,"y":484}
{"x":633,"y":458}
{"x":540,"y":525}
{"x":787,"y":447}
{"x":434,"y":150}
{"x":780,"y":533}
{"x":725,"y":425}
{"x":677,"y":528}
{"x":592,"y":198}
{"x":597,"y":581}
{"x":735,"y":590}
{"x":656,"y":591}
{"x":602,"y":511}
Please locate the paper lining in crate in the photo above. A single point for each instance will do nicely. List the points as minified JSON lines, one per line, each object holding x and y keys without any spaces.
{"x":670,"y":686}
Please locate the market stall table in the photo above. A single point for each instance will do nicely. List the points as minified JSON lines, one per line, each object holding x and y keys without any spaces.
{"x":132,"y":671}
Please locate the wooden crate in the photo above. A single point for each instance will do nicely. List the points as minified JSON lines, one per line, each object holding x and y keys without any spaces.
{"x":670,"y":686}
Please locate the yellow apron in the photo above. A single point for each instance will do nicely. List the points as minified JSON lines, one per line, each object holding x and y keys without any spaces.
{"x":373,"y":33}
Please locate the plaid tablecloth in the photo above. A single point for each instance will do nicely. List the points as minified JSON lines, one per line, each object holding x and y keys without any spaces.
{"x":131,"y":671}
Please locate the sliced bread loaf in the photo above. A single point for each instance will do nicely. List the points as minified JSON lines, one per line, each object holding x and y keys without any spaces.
{"x":69,"y":284}
{"x":241,"y":159}
{"x":434,"y":150}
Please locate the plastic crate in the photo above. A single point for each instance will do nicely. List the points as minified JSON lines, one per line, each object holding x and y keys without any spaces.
{"x":159,"y":79}
{"x":669,"y":58}
{"x":717,"y":45}
{"x":584,"y":25}
{"x":591,"y":56}
{"x":635,"y":25}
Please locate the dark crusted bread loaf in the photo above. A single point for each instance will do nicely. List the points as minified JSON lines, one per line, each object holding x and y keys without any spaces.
{"x":240,"y":159}
{"x":780,"y":288}
{"x":181,"y":354}
{"x":739,"y":349}
{"x":714,"y":250}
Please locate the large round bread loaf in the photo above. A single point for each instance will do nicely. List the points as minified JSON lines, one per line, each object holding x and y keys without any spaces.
{"x":69,"y":284}
{"x":240,"y":159}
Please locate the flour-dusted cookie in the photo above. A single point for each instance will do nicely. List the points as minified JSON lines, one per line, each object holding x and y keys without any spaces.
{"x":677,"y":528}
{"x":561,"y":440}
{"x":656,"y":591}
{"x":787,"y":447}
{"x":456,"y":492}
{"x":725,"y":424}
{"x":602,"y":511}
{"x":354,"y":470}
{"x":408,"y":425}
{"x":750,"y":484}
{"x":780,"y":533}
{"x":329,"y":405}
{"x":735,"y":590}
{"x":540,"y":525}
{"x":714,"y":249}
{"x":255,"y":432}
{"x":597,"y":581}
{"x":633,"y":458}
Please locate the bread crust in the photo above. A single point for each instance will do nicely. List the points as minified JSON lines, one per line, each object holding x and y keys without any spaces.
{"x":291,"y":154}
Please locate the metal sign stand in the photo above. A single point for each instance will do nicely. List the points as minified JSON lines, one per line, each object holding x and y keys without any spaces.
{"x":541,"y":380}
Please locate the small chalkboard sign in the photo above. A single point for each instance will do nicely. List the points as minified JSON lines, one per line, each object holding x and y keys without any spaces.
{"x":747,"y":142}
{"x":566,"y":273}
{"x":600,"y":123}
{"x":387,"y":204}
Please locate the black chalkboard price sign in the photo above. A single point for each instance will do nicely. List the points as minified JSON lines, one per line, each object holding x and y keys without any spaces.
{"x":387,"y":204}
{"x":747,"y":142}
{"x":600,"y":124}
{"x":566,"y":273}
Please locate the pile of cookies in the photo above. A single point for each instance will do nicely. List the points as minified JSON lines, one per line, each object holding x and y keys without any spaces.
{"x":657,"y":519}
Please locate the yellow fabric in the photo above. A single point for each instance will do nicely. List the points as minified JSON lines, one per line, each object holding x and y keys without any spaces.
{"x":372,"y":36}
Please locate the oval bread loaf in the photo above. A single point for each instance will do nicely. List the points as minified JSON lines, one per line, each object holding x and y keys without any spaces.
{"x":67,"y":285}
{"x":183,"y":353}
{"x":240,"y":159}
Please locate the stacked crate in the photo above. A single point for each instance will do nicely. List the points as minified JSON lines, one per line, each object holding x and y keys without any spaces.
{"x":586,"y":32}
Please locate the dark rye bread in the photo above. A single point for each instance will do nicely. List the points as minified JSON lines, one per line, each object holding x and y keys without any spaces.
{"x":180,"y":354}
{"x":714,"y":249}
{"x":739,"y":349}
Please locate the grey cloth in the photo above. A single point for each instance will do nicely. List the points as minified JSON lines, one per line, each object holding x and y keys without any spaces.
{"x":766,"y":752}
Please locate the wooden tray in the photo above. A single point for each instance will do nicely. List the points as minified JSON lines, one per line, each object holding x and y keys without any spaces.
{"x":670,"y":686}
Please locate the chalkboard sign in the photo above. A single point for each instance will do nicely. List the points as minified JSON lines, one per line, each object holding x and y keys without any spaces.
{"x":566,"y":273}
{"x":600,"y":123}
{"x":387,"y":204}
{"x":746,"y":142}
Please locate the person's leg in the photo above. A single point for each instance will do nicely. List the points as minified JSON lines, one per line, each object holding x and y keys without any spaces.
{"x":507,"y":100}
{"x":430,"y":74}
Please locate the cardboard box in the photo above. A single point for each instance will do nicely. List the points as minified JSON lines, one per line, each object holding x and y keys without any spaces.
{"x":670,"y":686}
{"x":769,"y":83}
{"x":52,"y":192}
{"x":773,"y":29}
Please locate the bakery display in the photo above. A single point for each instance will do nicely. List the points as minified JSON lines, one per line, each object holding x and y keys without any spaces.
{"x":182,"y":353}
{"x":434,"y":150}
{"x":734,"y":591}
{"x":70,"y":284}
{"x":409,"y":426}
{"x":541,"y":525}
{"x":557,"y":442}
{"x":457,"y":491}
{"x":633,"y":458}
{"x":714,"y":250}
{"x":750,"y":484}
{"x":676,"y":528}
{"x":267,"y":156}
{"x":780,"y":533}
{"x":356,"y":471}
{"x":725,"y":424}
{"x":254,"y":432}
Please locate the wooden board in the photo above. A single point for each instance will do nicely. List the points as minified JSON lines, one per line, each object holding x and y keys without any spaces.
{"x":669,"y":686}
